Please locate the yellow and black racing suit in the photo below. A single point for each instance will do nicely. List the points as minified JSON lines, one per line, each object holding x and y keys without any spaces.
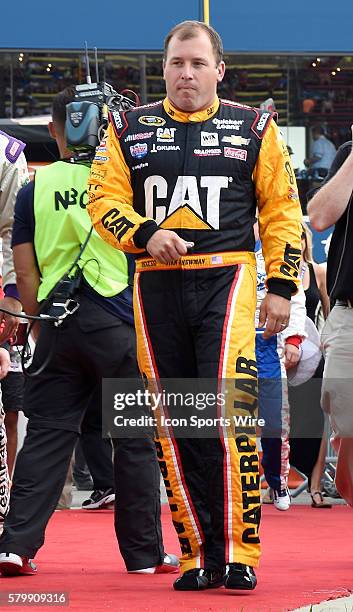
{"x":202,"y":175}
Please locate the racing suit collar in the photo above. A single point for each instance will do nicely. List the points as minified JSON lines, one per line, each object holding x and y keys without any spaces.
{"x":201,"y":115}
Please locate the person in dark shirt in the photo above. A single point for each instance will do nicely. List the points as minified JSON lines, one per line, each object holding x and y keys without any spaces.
{"x":96,"y":341}
{"x":332,"y":204}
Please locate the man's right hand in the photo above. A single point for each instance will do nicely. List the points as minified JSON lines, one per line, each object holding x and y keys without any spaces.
{"x":166,"y":246}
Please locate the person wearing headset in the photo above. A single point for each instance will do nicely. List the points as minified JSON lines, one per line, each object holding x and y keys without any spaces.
{"x":96,"y":341}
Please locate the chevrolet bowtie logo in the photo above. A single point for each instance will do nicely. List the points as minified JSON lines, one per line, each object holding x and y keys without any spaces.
{"x":236,"y":140}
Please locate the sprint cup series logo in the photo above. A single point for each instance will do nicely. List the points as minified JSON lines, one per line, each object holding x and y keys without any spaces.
{"x":139,"y":150}
{"x":151,"y":120}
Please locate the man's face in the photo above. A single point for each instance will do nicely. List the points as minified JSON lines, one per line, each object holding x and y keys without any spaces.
{"x":191,"y":74}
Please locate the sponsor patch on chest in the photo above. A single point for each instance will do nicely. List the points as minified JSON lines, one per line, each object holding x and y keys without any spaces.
{"x":165,"y":134}
{"x":139,"y":150}
{"x":207,"y":152}
{"x":209,"y":139}
{"x":235,"y":153}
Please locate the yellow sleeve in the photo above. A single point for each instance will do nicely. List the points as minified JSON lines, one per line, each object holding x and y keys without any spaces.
{"x":111,"y":197}
{"x":279,"y":209}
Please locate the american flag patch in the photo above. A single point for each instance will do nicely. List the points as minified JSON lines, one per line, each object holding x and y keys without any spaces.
{"x":216,"y":259}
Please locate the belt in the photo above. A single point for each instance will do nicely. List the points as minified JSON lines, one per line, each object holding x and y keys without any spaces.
{"x":198,"y":262}
{"x":346,"y":303}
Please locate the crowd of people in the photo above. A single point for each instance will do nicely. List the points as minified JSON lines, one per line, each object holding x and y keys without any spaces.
{"x":190,"y":262}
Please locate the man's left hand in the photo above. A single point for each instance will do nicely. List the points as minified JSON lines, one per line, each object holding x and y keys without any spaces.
{"x":8,"y":323}
{"x":274,"y":313}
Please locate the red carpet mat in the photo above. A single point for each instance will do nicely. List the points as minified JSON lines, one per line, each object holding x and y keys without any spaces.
{"x":307,"y":558}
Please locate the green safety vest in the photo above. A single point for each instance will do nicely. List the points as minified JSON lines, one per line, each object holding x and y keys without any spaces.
{"x":61,"y":227}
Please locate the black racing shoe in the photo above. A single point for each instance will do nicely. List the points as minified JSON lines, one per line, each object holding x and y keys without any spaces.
{"x":239,"y":576}
{"x":99,"y":499}
{"x":199,"y":580}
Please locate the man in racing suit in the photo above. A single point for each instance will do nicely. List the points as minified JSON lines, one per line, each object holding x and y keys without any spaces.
{"x":13,"y":174}
{"x":273,"y":357}
{"x":177,"y":182}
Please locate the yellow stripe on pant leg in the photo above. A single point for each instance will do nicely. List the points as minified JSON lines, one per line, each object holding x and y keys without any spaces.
{"x":184,"y":518}
{"x":241,"y":473}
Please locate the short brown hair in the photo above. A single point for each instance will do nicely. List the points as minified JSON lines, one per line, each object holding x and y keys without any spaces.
{"x":190,"y":29}
{"x":59,"y":104}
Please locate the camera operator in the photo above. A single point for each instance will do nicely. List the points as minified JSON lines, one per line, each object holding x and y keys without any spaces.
{"x":96,"y":341}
